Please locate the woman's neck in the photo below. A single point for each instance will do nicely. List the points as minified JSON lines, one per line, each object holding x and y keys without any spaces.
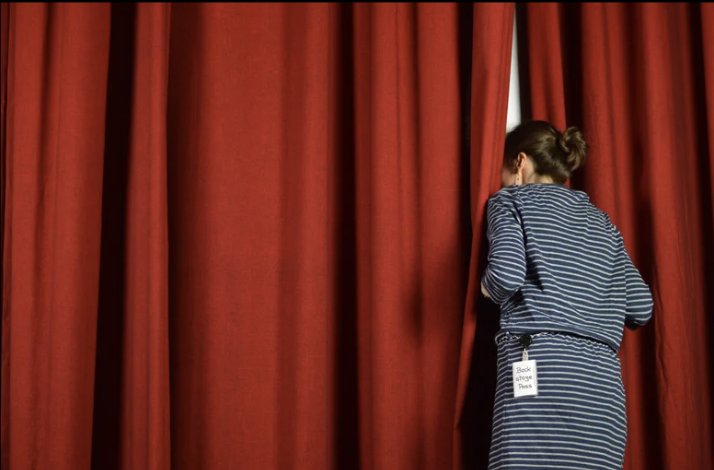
{"x":540,"y":179}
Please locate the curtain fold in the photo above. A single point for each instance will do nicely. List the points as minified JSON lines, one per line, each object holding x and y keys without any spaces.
{"x":489,"y":89}
{"x":132,"y":409}
{"x":248,"y":232}
{"x":636,"y":78}
{"x":55,"y":114}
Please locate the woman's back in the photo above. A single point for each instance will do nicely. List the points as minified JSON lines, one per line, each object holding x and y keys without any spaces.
{"x":570,"y":273}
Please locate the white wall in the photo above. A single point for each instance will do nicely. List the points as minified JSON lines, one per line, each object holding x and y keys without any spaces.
{"x":514,"y":96}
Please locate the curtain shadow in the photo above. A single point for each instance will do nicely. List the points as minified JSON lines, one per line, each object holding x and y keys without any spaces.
{"x":108,"y":386}
{"x":647,"y":371}
{"x":346,"y":454}
{"x":643,"y":249}
{"x":704,"y":172}
{"x":572,"y":40}
{"x":477,"y":415}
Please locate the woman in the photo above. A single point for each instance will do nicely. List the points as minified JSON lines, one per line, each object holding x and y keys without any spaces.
{"x":566,"y":286}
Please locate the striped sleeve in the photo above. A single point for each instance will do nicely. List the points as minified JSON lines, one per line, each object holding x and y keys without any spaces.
{"x":639,"y":304}
{"x":506,"y":270}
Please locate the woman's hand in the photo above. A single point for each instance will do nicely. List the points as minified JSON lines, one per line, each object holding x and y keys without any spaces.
{"x":484,"y":292}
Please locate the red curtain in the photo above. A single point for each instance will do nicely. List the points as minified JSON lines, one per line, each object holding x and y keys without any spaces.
{"x":638,"y":79}
{"x":250,"y":235}
{"x":246,"y":235}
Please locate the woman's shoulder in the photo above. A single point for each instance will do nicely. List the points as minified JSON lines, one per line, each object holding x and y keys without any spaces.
{"x":505,"y":196}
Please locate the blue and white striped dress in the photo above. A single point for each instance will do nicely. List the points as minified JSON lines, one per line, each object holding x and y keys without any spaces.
{"x":559,"y":270}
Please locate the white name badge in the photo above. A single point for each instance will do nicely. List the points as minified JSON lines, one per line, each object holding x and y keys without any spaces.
{"x":525,"y":379}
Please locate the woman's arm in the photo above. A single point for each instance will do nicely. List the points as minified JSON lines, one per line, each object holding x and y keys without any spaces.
{"x":639,"y":303}
{"x":506,"y":270}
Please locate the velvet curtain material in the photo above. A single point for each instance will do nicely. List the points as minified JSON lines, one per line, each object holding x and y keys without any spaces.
{"x":251,"y":235}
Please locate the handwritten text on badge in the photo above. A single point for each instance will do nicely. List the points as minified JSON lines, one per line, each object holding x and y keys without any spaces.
{"x":525,"y":379}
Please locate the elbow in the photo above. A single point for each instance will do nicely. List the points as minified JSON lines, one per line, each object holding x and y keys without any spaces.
{"x":511,"y":287}
{"x":639,"y":307}
{"x":638,"y":317}
{"x":502,"y":286}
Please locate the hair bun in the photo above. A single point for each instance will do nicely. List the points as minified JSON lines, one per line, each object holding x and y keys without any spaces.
{"x":574,"y":148}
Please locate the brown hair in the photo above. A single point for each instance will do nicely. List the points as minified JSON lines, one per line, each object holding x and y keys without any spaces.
{"x":553,"y":153}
